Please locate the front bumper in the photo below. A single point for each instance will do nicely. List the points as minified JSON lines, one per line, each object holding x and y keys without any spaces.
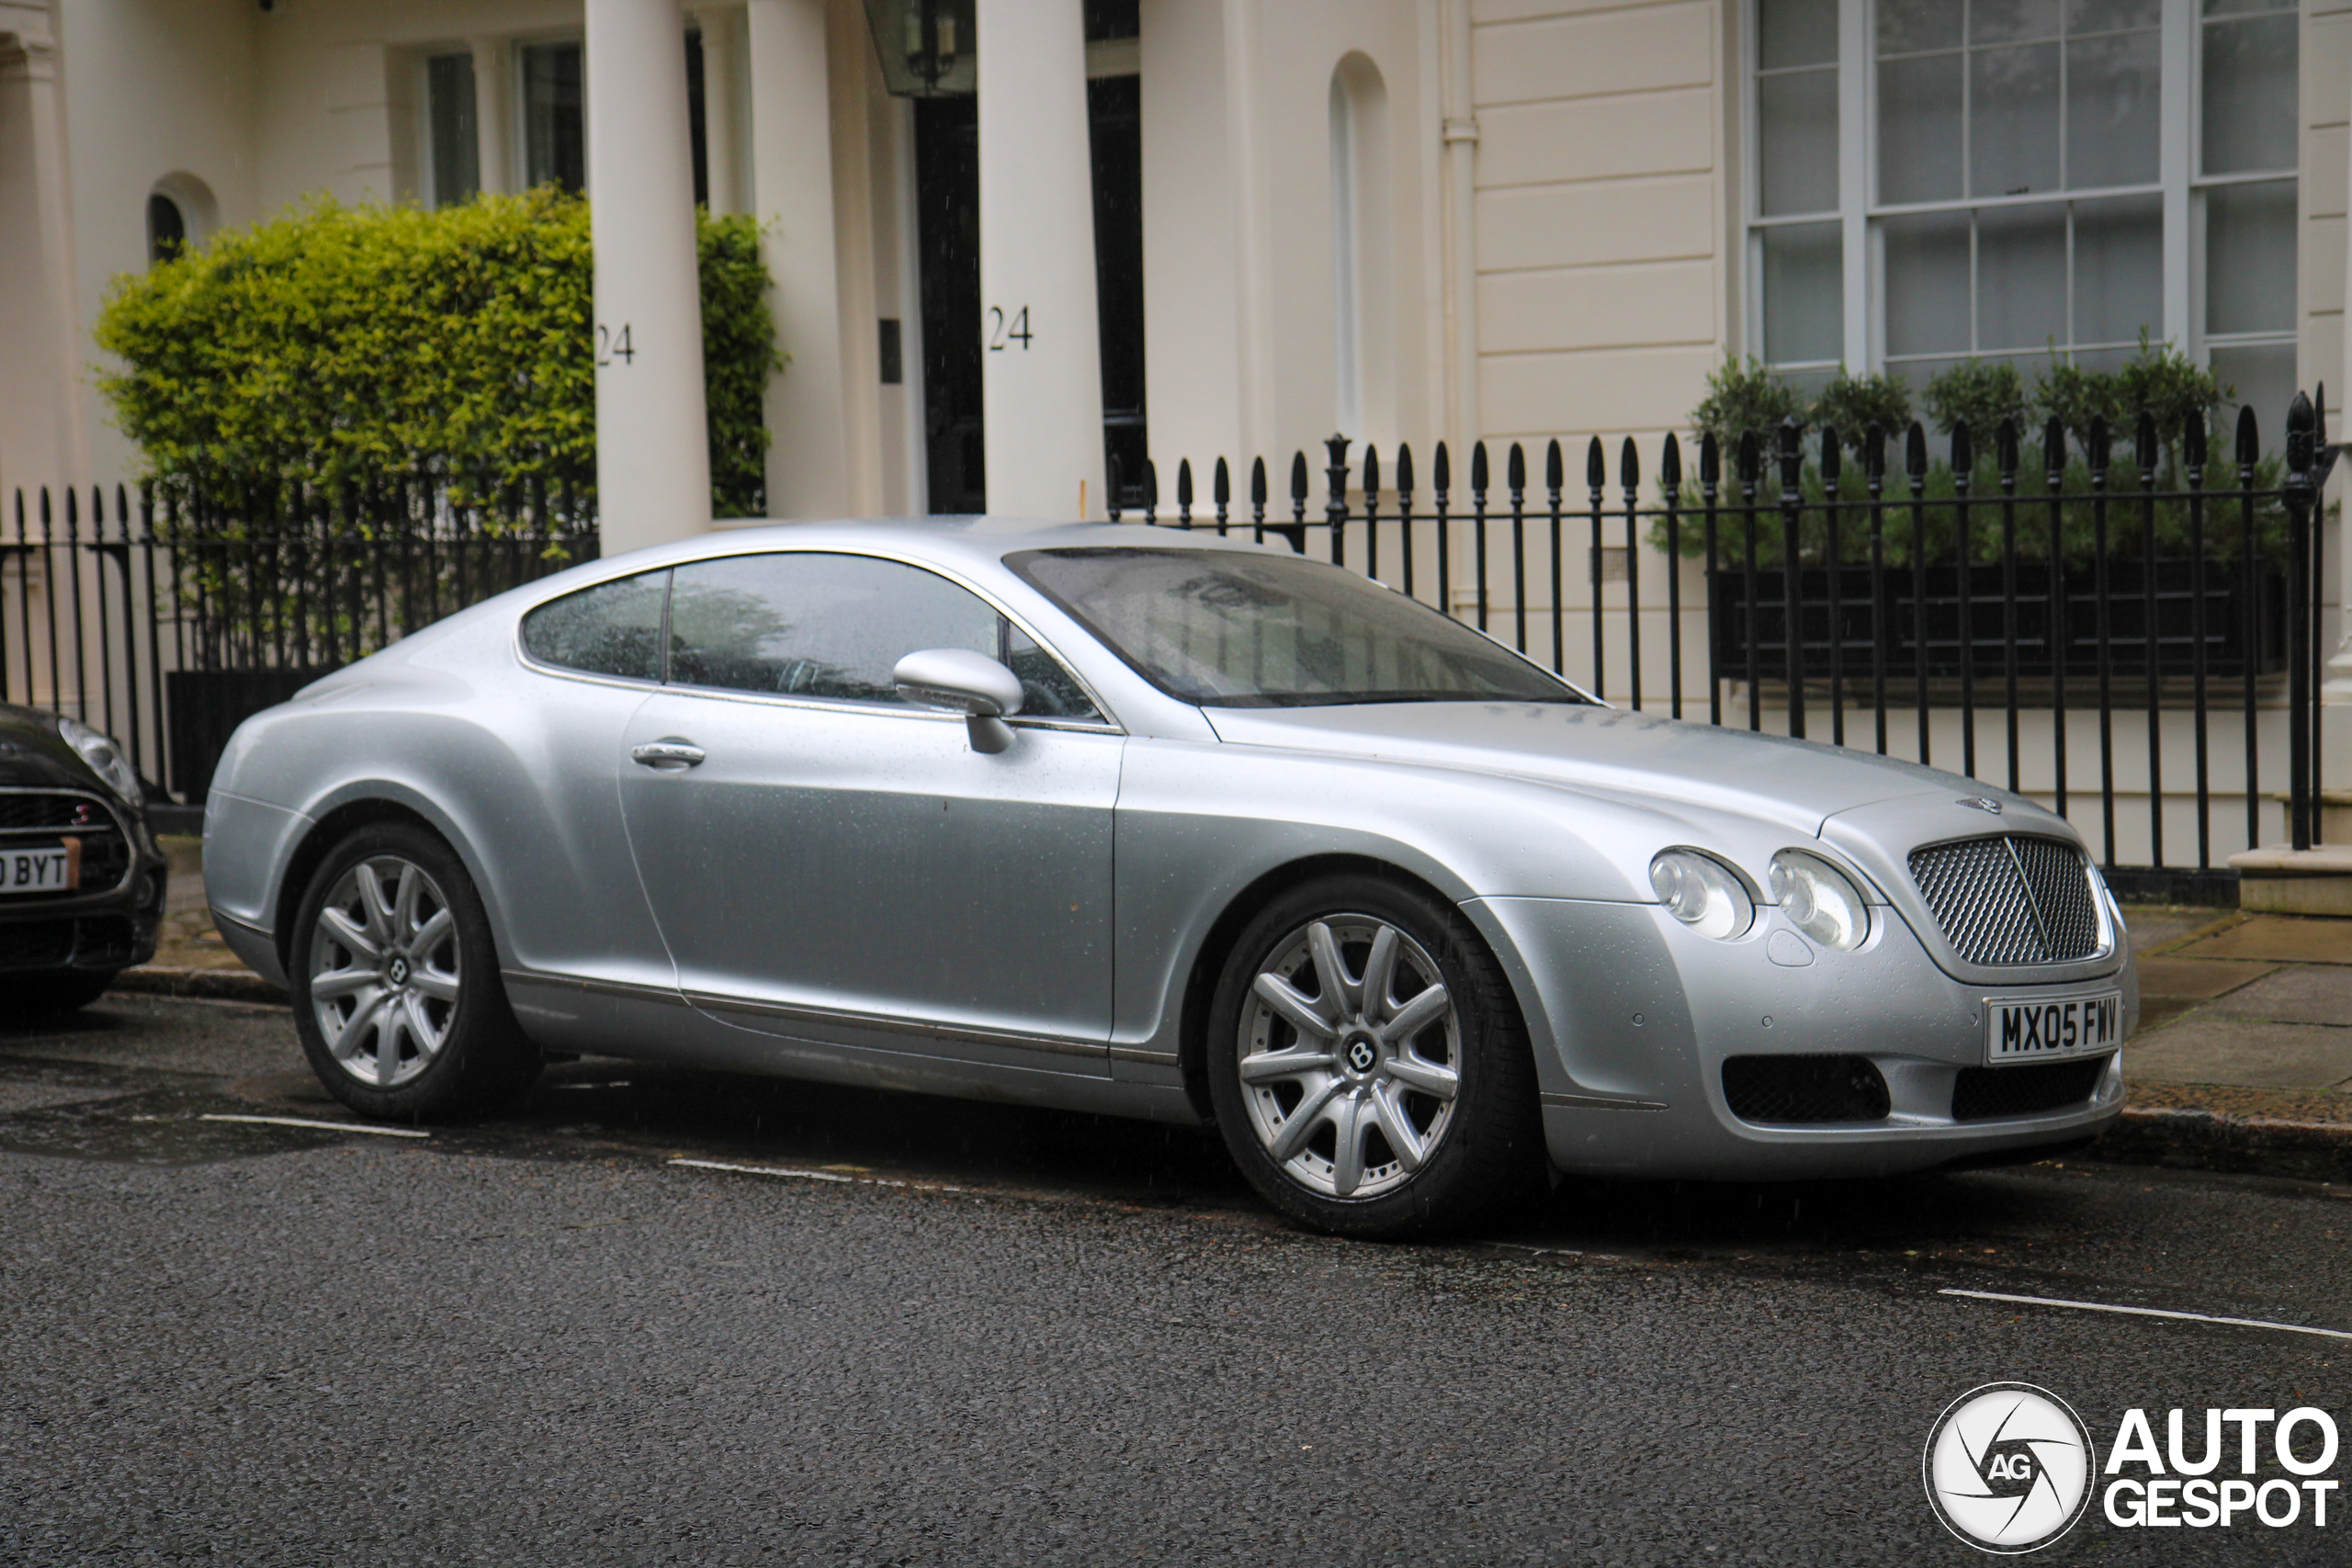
{"x":1634,"y":1015}
{"x":88,"y":932}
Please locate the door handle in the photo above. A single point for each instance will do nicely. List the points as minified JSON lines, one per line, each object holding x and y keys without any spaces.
{"x":667,"y":755}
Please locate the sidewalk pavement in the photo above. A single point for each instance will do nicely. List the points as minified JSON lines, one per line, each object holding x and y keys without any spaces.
{"x":2242,"y":1061}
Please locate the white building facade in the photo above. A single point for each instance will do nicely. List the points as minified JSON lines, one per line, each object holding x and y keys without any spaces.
{"x":1399,"y":220}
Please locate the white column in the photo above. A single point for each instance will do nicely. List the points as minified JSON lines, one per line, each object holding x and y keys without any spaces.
{"x":652,"y":431}
{"x":792,"y":165}
{"x":1461,"y":134}
{"x":718,"y":24}
{"x":42,"y":441}
{"x":493,"y":91}
{"x":1040,"y":385}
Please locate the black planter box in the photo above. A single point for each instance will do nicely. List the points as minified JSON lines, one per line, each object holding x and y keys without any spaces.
{"x":2054,"y":626}
{"x":206,"y":706}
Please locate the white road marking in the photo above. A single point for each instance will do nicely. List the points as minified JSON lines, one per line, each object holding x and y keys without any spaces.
{"x":814,"y":1174}
{"x":329,"y":1126}
{"x":2151,"y":1312}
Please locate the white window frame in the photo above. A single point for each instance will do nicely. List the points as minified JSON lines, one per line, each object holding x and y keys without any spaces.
{"x":1862,"y":283}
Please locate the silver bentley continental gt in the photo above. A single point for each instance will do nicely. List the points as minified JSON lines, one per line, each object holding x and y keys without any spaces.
{"x":1164,"y":825}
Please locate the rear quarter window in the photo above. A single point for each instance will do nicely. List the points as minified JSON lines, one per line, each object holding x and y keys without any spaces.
{"x":614,"y":628}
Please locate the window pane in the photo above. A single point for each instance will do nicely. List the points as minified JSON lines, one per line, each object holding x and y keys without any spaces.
{"x":1918,"y":130}
{"x":2262,"y":377}
{"x":2013,"y":121}
{"x":1905,"y":25}
{"x":2111,"y":15}
{"x":1796,"y":32}
{"x":614,"y":628}
{"x":819,"y":626}
{"x":2250,"y":94}
{"x":1797,"y":118}
{"x":554,"y":148}
{"x":449,"y":110}
{"x":1927,"y":283}
{"x":2111,"y":93}
{"x":1803,"y":309}
{"x":832,"y":625}
{"x":2250,"y":257}
{"x":2020,"y":276}
{"x":2246,"y":8}
{"x":2118,"y":269}
{"x":2011,"y":21}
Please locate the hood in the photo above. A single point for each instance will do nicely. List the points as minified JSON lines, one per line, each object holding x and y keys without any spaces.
{"x":33,"y":755}
{"x":1797,"y":784}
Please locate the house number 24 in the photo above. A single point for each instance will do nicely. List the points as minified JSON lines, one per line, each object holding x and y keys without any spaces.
{"x":612,"y":346}
{"x":1019,"y":331}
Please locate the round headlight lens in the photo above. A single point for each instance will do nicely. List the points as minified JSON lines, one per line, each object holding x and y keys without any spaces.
{"x":1701,"y":893}
{"x":1820,"y":901}
{"x":103,"y":756}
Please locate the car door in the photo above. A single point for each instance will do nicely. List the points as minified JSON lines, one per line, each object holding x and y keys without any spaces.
{"x":828,"y":862}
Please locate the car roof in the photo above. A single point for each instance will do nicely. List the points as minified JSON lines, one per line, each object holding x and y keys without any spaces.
{"x":969,"y":535}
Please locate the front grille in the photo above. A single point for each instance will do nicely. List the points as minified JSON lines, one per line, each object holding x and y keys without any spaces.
{"x":42,"y":811}
{"x":98,"y":941}
{"x":1985,"y":1094}
{"x":1804,"y":1089}
{"x":2010,"y":900}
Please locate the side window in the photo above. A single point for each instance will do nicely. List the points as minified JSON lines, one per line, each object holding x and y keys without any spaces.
{"x":835,"y":625}
{"x":614,"y":628}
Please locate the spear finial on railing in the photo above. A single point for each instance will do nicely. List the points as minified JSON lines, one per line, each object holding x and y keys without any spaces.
{"x":2053,"y":449}
{"x":1258,"y":490}
{"x":1964,"y":454}
{"x":2192,"y":444}
{"x":1792,"y":454}
{"x":1831,"y":454}
{"x":2249,"y":442}
{"x":2143,"y":446}
{"x":1150,"y":491}
{"x":1441,"y":473}
{"x":1553,"y":469}
{"x":2005,"y":449}
{"x":1515,"y":471}
{"x":1711,"y":463}
{"x":1875,"y":453}
{"x":1629,"y":468}
{"x":1669,"y":465}
{"x":2098,"y":452}
{"x":1185,"y":492}
{"x":1221,"y":491}
{"x":1751,"y":462}
{"x":1478,"y":473}
{"x":1404,"y":469}
{"x":1595,"y":465}
{"x":1298,"y":487}
{"x":1914,"y":451}
{"x":1372,"y":482}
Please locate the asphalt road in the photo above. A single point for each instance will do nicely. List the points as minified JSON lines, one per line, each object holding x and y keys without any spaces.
{"x":977,"y":1335}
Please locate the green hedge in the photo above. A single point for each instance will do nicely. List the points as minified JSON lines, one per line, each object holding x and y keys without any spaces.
{"x":339,"y":345}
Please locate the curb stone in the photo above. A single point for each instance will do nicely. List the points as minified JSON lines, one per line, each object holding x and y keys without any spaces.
{"x":227,"y":985}
{"x":2209,"y":1140}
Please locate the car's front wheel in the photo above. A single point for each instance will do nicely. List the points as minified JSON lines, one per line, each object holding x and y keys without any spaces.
{"x":395,"y":979}
{"x":1368,"y":1065}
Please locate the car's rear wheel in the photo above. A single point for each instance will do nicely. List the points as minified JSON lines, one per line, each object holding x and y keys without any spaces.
{"x":58,"y":991}
{"x":395,"y":980}
{"x":1368,"y":1065}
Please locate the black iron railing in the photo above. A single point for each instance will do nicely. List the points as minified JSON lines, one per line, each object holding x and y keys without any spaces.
{"x":2029,"y":585}
{"x":169,"y":616}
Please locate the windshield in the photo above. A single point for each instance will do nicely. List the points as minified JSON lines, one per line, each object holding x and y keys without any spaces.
{"x":1232,"y":628}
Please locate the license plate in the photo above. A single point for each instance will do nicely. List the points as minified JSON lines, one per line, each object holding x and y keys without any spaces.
{"x":2042,"y":1031}
{"x":53,"y":868}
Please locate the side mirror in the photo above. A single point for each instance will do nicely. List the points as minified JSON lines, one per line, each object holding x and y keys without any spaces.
{"x":960,"y":680}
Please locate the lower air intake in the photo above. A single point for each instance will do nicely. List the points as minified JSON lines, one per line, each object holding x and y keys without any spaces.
{"x":1988,"y":1094}
{"x":1804,"y":1089}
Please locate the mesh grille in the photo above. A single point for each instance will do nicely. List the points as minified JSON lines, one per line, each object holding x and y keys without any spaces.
{"x":51,"y":811}
{"x":1804,"y":1089}
{"x":2010,"y":900}
{"x":1985,"y":1094}
{"x":35,"y":944}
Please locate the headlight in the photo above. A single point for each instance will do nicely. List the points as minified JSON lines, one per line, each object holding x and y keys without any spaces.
{"x":1701,"y":893}
{"x":103,"y":756}
{"x":1820,"y":901}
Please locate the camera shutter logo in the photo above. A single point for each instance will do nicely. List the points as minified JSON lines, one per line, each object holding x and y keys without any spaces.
{"x":2009,"y":1468}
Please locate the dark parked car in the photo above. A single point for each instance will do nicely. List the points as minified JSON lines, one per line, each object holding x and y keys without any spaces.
{"x":81,"y":880}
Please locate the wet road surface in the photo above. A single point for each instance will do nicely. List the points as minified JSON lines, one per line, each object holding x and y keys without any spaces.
{"x":919,"y":1331}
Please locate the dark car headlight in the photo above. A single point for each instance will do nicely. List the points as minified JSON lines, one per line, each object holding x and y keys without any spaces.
{"x":1702,"y":893}
{"x":1820,"y":900}
{"x":103,"y":756}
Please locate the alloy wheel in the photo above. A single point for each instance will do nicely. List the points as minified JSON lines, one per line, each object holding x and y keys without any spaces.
{"x":1350,"y":1054}
{"x":384,"y":972}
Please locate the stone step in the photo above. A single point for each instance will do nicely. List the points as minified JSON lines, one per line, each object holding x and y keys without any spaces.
{"x":2282,"y":880}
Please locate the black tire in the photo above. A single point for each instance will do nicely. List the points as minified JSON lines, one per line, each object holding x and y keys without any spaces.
{"x":57,"y":990}
{"x":484,"y":1064}
{"x":1491,"y":1148}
